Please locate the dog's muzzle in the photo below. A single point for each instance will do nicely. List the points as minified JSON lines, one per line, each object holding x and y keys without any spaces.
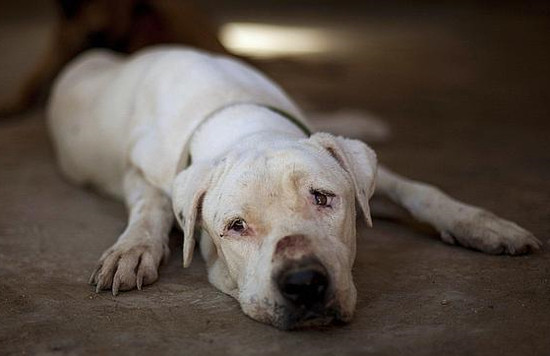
{"x":305,"y":289}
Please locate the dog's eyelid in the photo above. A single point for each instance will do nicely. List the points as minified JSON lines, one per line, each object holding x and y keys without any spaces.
{"x":236,"y":224}
{"x":328,"y":193}
{"x":322,"y":198}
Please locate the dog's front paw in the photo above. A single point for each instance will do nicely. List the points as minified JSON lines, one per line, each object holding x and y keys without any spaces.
{"x":487,"y":232}
{"x":126,"y":266}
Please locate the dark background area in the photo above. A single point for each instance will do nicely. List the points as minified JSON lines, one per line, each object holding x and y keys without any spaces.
{"x":464,"y":87}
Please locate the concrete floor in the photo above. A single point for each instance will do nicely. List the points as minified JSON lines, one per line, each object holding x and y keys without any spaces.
{"x":465,"y":91}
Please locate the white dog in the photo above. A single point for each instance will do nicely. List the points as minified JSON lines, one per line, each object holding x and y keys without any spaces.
{"x":178,"y":132}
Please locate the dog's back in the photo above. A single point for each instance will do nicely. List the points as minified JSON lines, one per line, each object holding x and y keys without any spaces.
{"x":105,"y":110}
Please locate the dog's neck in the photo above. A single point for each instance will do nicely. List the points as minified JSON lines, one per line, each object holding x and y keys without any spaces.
{"x":232,"y":125}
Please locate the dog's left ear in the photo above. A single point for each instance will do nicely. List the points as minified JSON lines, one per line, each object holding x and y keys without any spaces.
{"x":188,"y":192}
{"x":358,"y":159}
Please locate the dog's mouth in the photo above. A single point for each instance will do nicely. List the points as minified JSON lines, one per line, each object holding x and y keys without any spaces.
{"x":292,"y":318}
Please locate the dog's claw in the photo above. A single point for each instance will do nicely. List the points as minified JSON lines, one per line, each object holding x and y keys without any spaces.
{"x":124,"y":268}
{"x":99,"y":286}
{"x":93,"y":276}
{"x":116,"y":285}
{"x":139,"y":281}
{"x":537,"y":242}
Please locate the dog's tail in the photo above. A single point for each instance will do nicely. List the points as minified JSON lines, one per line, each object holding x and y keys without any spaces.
{"x":353,"y":124}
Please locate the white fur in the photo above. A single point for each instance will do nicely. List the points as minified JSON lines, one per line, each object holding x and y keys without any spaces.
{"x":129,"y":126}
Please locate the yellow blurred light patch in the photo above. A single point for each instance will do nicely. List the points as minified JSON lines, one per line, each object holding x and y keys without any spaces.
{"x":265,"y":40}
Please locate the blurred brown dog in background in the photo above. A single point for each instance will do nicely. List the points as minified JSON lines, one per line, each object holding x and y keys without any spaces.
{"x":124,"y":26}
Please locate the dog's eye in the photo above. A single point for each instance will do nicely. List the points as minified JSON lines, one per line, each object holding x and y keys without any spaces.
{"x":237,"y":225}
{"x":322,"y":198}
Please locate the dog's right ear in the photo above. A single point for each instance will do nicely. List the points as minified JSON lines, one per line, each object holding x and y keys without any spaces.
{"x":188,"y":192}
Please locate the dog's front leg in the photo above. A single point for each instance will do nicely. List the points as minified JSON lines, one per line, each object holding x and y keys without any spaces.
{"x":134,"y":259}
{"x":457,"y":222}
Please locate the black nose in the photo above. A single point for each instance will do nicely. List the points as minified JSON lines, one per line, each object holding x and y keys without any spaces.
{"x":305,"y":284}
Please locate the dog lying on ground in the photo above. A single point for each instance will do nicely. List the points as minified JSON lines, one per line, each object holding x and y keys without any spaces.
{"x":207,"y":140}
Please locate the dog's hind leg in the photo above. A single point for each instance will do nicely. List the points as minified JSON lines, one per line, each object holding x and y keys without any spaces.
{"x":134,"y":259}
{"x":458,"y":223}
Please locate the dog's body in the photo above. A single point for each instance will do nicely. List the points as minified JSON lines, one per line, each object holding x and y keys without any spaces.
{"x":225,"y":146}
{"x":156,"y":108}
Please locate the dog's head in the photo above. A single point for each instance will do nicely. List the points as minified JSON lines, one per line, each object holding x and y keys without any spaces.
{"x":278,"y":225}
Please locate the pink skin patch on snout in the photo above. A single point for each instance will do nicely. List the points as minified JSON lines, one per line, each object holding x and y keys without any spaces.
{"x":292,"y":247}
